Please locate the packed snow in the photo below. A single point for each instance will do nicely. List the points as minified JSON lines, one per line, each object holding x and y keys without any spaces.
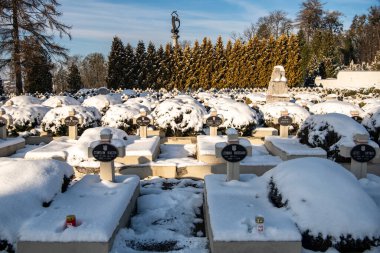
{"x":25,"y":186}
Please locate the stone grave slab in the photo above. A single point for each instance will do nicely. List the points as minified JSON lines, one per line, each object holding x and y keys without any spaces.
{"x":89,"y":200}
{"x":291,"y":148}
{"x":230,"y":210}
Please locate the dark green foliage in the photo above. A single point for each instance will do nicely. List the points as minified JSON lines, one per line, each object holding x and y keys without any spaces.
{"x":7,"y":247}
{"x":117,"y":65}
{"x":37,"y":67}
{"x":275,"y":196}
{"x":74,"y":81}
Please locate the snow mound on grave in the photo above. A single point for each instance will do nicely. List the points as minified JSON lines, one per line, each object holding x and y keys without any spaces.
{"x":24,"y":187}
{"x":236,"y":114}
{"x":335,"y":107}
{"x":143,"y":101}
{"x":78,"y":153}
{"x":102,"y":102}
{"x":259,"y":98}
{"x":25,"y":117}
{"x":327,"y":203}
{"x":180,"y":116}
{"x":121,"y":116}
{"x":25,"y":100}
{"x":65,"y":100}
{"x":52,"y":121}
{"x":372,"y":123}
{"x":308,"y":97}
{"x":273,"y":111}
{"x":329,"y":131}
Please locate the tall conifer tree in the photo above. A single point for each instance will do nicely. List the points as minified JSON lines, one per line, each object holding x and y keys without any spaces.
{"x":117,"y":65}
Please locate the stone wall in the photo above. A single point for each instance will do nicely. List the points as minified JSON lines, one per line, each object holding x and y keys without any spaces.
{"x":351,"y":80}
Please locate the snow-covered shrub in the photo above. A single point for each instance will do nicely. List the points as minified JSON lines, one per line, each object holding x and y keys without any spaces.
{"x":256,"y":98}
{"x":121,"y":116}
{"x":24,"y":100}
{"x":372,"y":123}
{"x":329,"y":131}
{"x":147,"y":102}
{"x":272,"y":112}
{"x":25,"y":186}
{"x":25,"y":117}
{"x":236,"y":115}
{"x":180,"y":116}
{"x":335,"y":107}
{"x":327,"y":204}
{"x":64,"y":100}
{"x":102,"y":102}
{"x":52,"y":122}
{"x":314,"y":98}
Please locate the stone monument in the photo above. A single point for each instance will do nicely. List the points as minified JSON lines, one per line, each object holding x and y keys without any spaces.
{"x":277,"y":88}
{"x":176,"y":23}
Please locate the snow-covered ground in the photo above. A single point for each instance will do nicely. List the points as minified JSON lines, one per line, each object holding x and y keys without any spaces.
{"x":169,"y":215}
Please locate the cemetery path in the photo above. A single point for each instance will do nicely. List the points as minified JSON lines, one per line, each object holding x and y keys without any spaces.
{"x":169,"y":218}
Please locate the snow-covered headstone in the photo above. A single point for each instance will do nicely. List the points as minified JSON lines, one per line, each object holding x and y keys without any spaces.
{"x":278,"y":88}
{"x":72,"y":123}
{"x":5,"y":120}
{"x":143,"y":121}
{"x":361,"y":154}
{"x":214,"y":121}
{"x":106,"y":152}
{"x":232,"y":152}
{"x":285,"y":121}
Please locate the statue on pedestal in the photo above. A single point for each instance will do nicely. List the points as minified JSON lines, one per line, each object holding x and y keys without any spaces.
{"x":176,"y":23}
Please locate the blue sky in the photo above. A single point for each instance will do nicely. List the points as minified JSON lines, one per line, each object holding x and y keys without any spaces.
{"x":96,"y":22}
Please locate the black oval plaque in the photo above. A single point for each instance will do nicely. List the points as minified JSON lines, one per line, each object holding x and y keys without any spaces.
{"x":71,"y":121}
{"x":363,"y":153}
{"x":214,"y":121}
{"x":234,"y":153}
{"x":105,"y":152}
{"x":143,"y":121}
{"x":3,"y":122}
{"x":285,"y":121}
{"x":357,"y":119}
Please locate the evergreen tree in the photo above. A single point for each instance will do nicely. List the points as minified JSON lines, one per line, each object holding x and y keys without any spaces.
{"x":37,"y":67}
{"x":192,"y":80}
{"x":293,"y":68}
{"x":141,"y":65}
{"x":167,"y":65}
{"x":253,"y":51}
{"x":130,"y":77}
{"x":60,"y":78}
{"x":161,"y":68}
{"x":117,"y":65}
{"x":206,"y":65}
{"x":151,"y":66}
{"x":20,"y":19}
{"x":74,"y":81}
{"x":220,"y":67}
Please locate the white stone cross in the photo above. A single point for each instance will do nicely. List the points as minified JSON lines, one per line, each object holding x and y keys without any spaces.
{"x":105,"y":151}
{"x":72,"y":121}
{"x":233,"y":168}
{"x":143,"y":121}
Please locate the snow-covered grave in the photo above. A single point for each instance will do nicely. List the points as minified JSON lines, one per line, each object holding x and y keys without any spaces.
{"x":26,"y":187}
{"x":101,"y":208}
{"x":291,"y":148}
{"x":56,"y":149}
{"x":310,"y":198}
{"x":230,"y":212}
